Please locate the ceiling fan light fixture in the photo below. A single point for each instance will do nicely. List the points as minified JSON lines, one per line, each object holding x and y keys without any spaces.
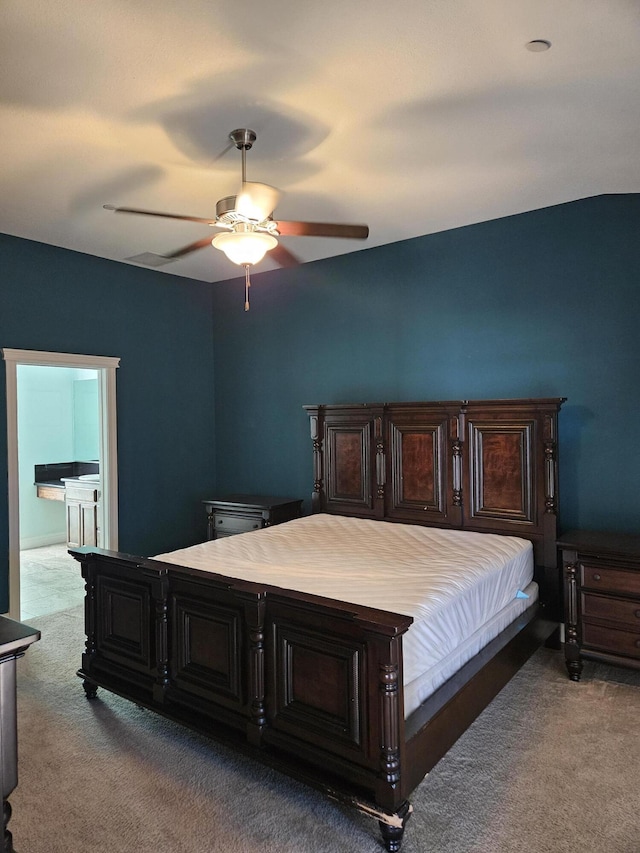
{"x":244,"y":248}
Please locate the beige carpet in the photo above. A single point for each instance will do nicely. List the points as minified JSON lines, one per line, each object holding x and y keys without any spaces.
{"x":551,"y":766}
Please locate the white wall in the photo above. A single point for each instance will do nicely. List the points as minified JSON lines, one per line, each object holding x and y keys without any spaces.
{"x":47,"y":433}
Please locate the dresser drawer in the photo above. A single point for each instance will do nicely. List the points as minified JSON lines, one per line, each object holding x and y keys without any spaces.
{"x":613,"y":609}
{"x":610,"y":580}
{"x":612,"y":640}
{"x":602,"y":598}
{"x":228,"y":525}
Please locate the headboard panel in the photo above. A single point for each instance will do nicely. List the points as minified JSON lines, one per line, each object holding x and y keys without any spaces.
{"x":482,"y":465}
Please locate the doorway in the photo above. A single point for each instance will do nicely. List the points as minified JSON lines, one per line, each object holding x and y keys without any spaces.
{"x":103,"y":369}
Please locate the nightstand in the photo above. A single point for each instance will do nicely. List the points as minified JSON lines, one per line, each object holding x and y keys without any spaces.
{"x":602,"y":598}
{"x":233,"y":514}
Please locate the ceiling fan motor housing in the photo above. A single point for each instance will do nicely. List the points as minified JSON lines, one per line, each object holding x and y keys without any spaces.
{"x":227,"y":214}
{"x":226,"y":210}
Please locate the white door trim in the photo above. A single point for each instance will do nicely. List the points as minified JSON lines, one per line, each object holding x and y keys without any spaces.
{"x":106,"y":367}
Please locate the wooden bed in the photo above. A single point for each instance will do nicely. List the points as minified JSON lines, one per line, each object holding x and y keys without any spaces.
{"x":313,"y":686}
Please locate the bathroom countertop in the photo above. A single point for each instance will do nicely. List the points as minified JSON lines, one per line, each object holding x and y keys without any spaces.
{"x":56,"y":475}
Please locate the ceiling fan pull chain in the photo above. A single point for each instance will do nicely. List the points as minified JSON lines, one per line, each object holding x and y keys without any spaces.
{"x":247,"y":285}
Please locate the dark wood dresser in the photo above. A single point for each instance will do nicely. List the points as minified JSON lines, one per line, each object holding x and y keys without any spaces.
{"x":15,"y":639}
{"x":233,"y":514}
{"x":602,"y":598}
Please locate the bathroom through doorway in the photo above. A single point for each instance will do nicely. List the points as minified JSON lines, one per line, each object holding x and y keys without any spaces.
{"x":61,"y":443}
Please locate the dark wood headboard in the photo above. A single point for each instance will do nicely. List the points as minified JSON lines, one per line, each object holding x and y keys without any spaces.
{"x":483,"y":465}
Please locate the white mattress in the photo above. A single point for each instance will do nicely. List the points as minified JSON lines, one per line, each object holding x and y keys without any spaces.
{"x":426,"y":683}
{"x":451,"y":582}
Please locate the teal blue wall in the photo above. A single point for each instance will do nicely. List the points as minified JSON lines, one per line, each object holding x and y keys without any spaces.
{"x":160,"y":327}
{"x":541,"y":304}
{"x":545,"y":303}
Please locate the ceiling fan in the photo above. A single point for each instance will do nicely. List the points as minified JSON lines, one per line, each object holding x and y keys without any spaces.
{"x":249,"y":229}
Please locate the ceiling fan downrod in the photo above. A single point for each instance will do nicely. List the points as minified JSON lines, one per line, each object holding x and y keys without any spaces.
{"x":243,"y":139}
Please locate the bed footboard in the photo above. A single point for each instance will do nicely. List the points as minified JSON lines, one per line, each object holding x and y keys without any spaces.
{"x":308,"y":685}
{"x":168,"y":639}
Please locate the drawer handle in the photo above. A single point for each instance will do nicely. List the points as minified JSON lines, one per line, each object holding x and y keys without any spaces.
{"x":637,"y":644}
{"x":256,"y":526}
{"x":220,"y":521}
{"x":637,"y":614}
{"x":597,"y":577}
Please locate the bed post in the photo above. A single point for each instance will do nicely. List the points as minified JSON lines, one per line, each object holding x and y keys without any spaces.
{"x":159,"y":593}
{"x":316,"y":438}
{"x":392,"y":828}
{"x":254,"y":612}
{"x":394,"y":811}
{"x":390,"y":717}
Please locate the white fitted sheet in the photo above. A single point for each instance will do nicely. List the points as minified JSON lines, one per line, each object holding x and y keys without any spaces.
{"x":428,"y":682}
{"x":451,"y":582}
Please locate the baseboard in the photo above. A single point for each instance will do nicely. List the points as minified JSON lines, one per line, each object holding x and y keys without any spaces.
{"x":41,"y":541}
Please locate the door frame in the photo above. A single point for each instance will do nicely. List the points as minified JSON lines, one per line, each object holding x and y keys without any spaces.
{"x":106,"y":368}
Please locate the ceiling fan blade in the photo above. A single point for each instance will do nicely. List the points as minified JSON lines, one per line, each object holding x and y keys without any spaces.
{"x":257,"y":201}
{"x":186,"y":250}
{"x":322,"y":229}
{"x":283,"y":257}
{"x":156,"y":213}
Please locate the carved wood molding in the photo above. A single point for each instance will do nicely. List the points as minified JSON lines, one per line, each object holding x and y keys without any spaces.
{"x":162,"y":646}
{"x":550,"y":464}
{"x":456,"y":427}
{"x":89,"y":613}
{"x":381,"y":462}
{"x":301,"y":705}
{"x":571,"y":581}
{"x":317,"y":455}
{"x":254,"y":618}
{"x":572,"y":638}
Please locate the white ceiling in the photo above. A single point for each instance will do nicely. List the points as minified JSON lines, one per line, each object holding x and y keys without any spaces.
{"x":412,"y":117}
